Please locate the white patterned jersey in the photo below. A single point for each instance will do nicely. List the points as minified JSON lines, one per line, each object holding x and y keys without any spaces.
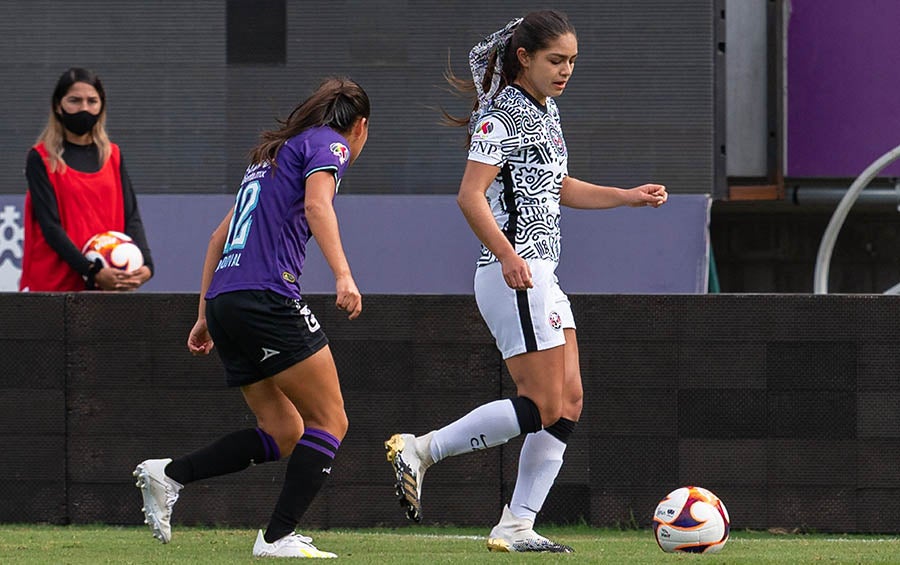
{"x":525,"y":140}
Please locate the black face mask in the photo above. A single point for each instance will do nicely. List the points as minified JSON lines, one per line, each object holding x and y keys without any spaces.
{"x":78,"y":123}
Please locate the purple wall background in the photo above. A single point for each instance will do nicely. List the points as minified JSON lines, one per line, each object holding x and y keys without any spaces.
{"x":421,"y":244}
{"x":843,"y":86}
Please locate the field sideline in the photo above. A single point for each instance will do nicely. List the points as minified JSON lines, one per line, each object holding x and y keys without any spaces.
{"x":41,"y":544}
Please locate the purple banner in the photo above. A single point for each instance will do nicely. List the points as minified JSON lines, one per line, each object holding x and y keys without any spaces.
{"x":843,"y":74}
{"x":421,"y":244}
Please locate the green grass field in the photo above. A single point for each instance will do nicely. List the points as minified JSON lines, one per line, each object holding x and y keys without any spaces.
{"x":107,"y":544}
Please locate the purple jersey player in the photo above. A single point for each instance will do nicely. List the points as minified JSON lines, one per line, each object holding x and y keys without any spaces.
{"x":270,"y":343}
{"x":266,"y":244}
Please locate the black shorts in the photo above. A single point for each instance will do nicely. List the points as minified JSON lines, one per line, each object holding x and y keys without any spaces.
{"x":259,"y":333}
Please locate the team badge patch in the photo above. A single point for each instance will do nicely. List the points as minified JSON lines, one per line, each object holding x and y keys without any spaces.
{"x":555,"y":321}
{"x":558,"y":142}
{"x":340,"y":151}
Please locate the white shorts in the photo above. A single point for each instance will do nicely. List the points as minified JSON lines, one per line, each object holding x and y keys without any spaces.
{"x":523,"y":320}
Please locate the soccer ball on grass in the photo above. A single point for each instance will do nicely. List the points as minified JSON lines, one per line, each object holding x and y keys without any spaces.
{"x":692,"y":520}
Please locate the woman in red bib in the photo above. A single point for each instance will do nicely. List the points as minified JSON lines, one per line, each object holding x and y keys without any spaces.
{"x":77,"y":187}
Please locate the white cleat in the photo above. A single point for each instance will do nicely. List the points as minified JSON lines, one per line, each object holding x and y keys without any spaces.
{"x":291,"y":545}
{"x":515,"y":534}
{"x":160,"y":494}
{"x":410,"y":456}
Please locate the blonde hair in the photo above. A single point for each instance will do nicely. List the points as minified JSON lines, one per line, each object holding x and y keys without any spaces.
{"x":55,"y":133}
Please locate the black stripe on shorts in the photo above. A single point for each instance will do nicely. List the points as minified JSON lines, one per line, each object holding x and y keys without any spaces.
{"x":525,"y":320}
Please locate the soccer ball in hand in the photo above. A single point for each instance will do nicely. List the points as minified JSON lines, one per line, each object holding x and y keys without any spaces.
{"x":114,"y":249}
{"x":691,"y":520}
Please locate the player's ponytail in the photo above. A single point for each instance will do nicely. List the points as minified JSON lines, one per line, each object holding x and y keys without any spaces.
{"x":336,"y":103}
{"x":533,"y":32}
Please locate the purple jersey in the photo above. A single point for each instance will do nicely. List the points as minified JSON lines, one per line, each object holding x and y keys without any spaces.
{"x":266,"y":244}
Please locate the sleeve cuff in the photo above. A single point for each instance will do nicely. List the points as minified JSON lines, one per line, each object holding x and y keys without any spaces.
{"x":89,"y":281}
{"x":486,"y":159}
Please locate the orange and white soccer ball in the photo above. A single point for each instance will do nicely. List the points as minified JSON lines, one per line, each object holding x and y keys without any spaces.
{"x":114,"y":249}
{"x":691,"y":520}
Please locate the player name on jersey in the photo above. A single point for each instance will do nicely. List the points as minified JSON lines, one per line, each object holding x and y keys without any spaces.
{"x":233,"y":260}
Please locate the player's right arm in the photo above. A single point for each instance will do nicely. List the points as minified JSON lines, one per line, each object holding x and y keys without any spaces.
{"x":199,"y":340}
{"x":471,"y":199}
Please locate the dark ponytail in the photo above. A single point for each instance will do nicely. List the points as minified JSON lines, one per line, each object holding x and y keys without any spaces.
{"x":336,"y":103}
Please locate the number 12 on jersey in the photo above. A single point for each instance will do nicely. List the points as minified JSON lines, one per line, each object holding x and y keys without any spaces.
{"x":242,"y":219}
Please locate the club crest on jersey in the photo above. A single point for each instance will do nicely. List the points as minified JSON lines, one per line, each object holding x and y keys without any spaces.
{"x":340,"y":151}
{"x":483,"y":129}
{"x":558,"y":141}
{"x":555,"y":321}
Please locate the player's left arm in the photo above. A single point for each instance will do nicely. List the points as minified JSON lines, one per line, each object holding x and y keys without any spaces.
{"x":580,"y":194}
{"x":320,"y":189}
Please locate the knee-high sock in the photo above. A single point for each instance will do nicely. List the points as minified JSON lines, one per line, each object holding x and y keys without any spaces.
{"x":540,"y":459}
{"x":308,"y":467}
{"x":488,"y":425}
{"x":229,"y":454}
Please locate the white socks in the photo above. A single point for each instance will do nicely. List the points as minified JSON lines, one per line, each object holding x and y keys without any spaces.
{"x":539,"y":463}
{"x":495,"y":423}
{"x":490,"y":424}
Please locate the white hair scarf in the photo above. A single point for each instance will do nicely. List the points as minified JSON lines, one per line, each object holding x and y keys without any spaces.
{"x":479,"y":58}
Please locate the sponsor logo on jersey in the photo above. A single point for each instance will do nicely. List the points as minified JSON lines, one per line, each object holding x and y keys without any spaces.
{"x":483,"y":129}
{"x":256,"y":171}
{"x":555,"y":321}
{"x":340,"y":151}
{"x":288,"y":277}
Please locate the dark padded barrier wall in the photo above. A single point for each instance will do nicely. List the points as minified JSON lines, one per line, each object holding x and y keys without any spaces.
{"x":33,"y":409}
{"x":784,"y":405}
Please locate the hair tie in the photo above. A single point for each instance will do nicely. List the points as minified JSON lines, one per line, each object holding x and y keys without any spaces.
{"x":479,"y":58}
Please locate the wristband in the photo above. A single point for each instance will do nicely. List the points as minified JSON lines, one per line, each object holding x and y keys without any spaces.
{"x":92,"y":272}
